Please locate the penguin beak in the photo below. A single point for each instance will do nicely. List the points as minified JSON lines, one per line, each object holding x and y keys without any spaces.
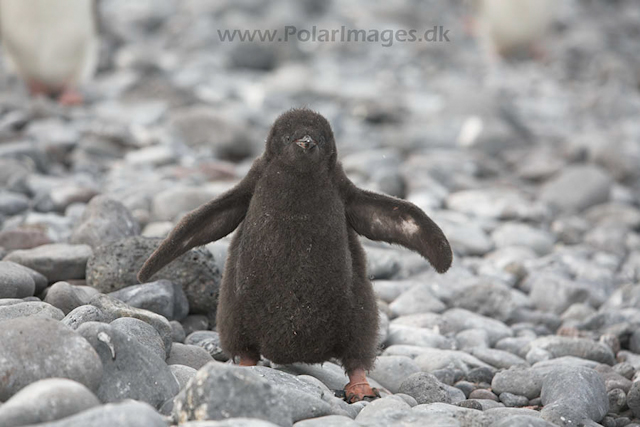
{"x":306,"y":142}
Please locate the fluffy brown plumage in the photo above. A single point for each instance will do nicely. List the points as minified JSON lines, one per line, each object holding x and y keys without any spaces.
{"x":295,"y":287}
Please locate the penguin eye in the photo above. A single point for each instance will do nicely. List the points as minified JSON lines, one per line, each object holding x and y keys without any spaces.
{"x":286,"y":139}
{"x":321,"y":140}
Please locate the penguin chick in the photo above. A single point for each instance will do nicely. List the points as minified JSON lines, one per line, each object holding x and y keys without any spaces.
{"x":51,"y":45}
{"x":295,"y":286}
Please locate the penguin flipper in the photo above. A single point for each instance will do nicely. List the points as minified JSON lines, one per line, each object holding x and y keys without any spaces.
{"x":209,"y":222}
{"x":391,"y":220}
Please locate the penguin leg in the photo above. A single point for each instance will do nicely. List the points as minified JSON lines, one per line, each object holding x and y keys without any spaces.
{"x":38,"y":88}
{"x":248,"y":360}
{"x":358,"y":388}
{"x":70,"y":96}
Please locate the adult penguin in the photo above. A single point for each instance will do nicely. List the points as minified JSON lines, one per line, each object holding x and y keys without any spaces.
{"x":52,"y":45}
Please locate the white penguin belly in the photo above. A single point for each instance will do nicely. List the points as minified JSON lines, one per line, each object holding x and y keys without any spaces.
{"x":52,"y":42}
{"x":513,"y":23}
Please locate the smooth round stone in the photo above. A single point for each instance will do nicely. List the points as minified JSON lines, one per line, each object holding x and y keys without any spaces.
{"x":177,"y":332}
{"x":104,"y":220}
{"x":212,"y":395}
{"x":30,"y":309}
{"x":513,"y":400}
{"x":183,"y":374}
{"x":46,"y":400}
{"x":12,"y":203}
{"x":15,"y":282}
{"x":23,"y":239}
{"x":483,"y":394}
{"x":142,"y":332}
{"x":517,"y":380}
{"x":195,"y":322}
{"x":131,"y":370}
{"x":111,"y":309}
{"x":577,"y":187}
{"x":161,"y":297}
{"x":57,"y":261}
{"x":425,"y":388}
{"x":210,"y":341}
{"x":129,"y":413}
{"x":571,"y":393}
{"x":519,"y":234}
{"x":189,"y":355}
{"x":390,"y":371}
{"x":66,"y":297}
{"x":35,"y":348}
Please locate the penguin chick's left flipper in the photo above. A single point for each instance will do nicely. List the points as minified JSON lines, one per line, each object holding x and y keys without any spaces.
{"x":209,"y":222}
{"x":391,"y":220}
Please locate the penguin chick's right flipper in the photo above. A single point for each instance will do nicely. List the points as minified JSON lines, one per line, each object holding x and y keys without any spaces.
{"x":209,"y":222}
{"x":392,"y":220}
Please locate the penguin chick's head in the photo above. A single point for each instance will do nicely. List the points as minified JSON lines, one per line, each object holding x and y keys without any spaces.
{"x":301,"y":137}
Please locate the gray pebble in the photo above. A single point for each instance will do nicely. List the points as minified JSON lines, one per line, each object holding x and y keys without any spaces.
{"x":210,"y":341}
{"x":66,"y":297}
{"x":571,"y":394}
{"x":56,"y":261}
{"x":128,"y":413}
{"x":52,"y":350}
{"x":104,"y":220}
{"x":143,"y":333}
{"x":189,"y":355}
{"x":131,"y":370}
{"x":177,"y":331}
{"x":30,"y":309}
{"x":46,"y":400}
{"x":517,"y":380}
{"x":513,"y":400}
{"x":425,"y":388}
{"x":15,"y":282}
{"x":211,"y":395}
{"x":183,"y":374}
{"x":161,"y":297}
{"x":577,"y":187}
{"x":390,"y":371}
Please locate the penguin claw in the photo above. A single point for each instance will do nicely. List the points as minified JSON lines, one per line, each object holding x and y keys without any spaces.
{"x":359,"y":392}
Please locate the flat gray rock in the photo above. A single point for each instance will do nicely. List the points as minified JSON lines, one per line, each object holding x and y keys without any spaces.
{"x":104,"y":220}
{"x":34,"y":348}
{"x":131,"y":370}
{"x":518,"y":380}
{"x":213,"y":395}
{"x":585,"y":348}
{"x":56,"y":261}
{"x":66,"y":297}
{"x":390,"y":371}
{"x":162,"y":297}
{"x":15,"y":282}
{"x":577,"y":187}
{"x":111,"y":309}
{"x":128,"y":413}
{"x":425,"y":388}
{"x":46,"y":400}
{"x":572,"y":394}
{"x":141,"y":332}
{"x":30,"y":309}
{"x":188,"y":355}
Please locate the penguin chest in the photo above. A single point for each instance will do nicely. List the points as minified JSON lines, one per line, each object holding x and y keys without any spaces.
{"x":295,"y":255}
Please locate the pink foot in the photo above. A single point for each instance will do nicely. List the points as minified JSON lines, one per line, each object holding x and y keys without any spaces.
{"x":358,"y":388}
{"x":248,"y":361}
{"x":70,"y":96}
